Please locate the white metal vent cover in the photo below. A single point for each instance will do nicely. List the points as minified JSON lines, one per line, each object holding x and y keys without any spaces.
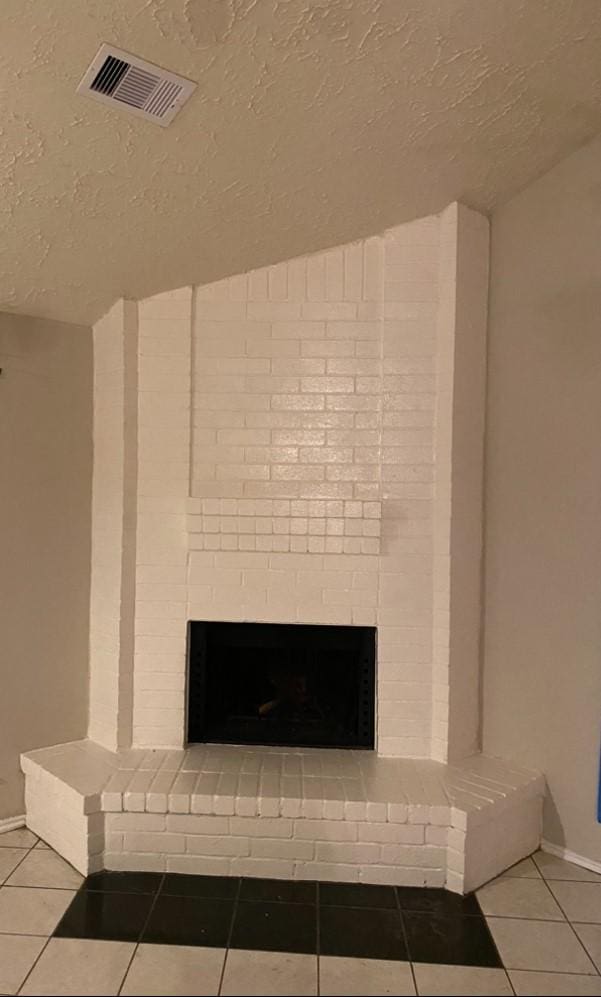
{"x":120,"y":79}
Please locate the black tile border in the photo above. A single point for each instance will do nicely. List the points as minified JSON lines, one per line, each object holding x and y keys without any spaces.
{"x":319,"y":906}
{"x":275,"y":927}
{"x":357,"y":895}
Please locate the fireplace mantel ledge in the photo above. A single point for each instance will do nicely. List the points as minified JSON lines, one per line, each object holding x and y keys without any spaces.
{"x":209,"y":807}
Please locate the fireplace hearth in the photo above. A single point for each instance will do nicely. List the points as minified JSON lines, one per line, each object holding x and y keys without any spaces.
{"x":281,"y":684}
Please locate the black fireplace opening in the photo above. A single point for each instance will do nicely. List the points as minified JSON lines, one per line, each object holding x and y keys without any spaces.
{"x":281,"y":684}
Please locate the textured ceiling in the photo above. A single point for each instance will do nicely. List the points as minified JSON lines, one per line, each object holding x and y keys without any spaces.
{"x":315,"y":122}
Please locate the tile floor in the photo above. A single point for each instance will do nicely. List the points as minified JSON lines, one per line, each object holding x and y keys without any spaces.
{"x":534,"y":930}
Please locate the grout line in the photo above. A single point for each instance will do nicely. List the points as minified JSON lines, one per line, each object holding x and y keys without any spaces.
{"x":142,"y":930}
{"x":42,"y":950}
{"x":318,"y":935}
{"x":24,"y":934}
{"x":575,"y":933}
{"x":405,"y":938}
{"x":522,"y":917}
{"x":589,"y":954}
{"x":152,"y":906}
{"x":508,"y":978}
{"x":553,"y":972}
{"x":231,"y":931}
{"x":30,"y":886}
{"x":44,"y":947}
{"x":26,"y":852}
{"x":128,"y":967}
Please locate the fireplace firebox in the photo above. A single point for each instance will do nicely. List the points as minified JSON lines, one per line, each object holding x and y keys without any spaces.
{"x":281,"y":684}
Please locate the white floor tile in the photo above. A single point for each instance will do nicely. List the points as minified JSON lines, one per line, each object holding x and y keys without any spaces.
{"x":548,"y":946}
{"x":508,"y":897}
{"x":461,"y":981}
{"x":552,"y":984}
{"x":580,"y":901}
{"x":372,"y":977}
{"x":556,"y":868}
{"x":17,"y":955}
{"x":590,"y":936}
{"x":79,"y":966}
{"x":32,"y":912}
{"x":174,"y":971}
{"x":9,"y":860}
{"x":19,"y":838}
{"x":525,"y":869}
{"x":41,"y":844}
{"x":275,"y":974}
{"x":43,"y":867}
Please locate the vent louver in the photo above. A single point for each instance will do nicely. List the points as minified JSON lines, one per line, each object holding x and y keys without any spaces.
{"x":145,"y":90}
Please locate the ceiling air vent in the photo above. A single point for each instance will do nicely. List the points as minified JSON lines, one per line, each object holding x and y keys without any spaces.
{"x":118,"y":78}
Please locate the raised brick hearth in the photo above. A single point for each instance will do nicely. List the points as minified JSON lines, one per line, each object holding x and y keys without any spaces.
{"x":284,"y":813}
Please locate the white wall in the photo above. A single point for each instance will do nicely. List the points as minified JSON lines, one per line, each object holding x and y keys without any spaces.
{"x":45,"y":492}
{"x":542,"y":673}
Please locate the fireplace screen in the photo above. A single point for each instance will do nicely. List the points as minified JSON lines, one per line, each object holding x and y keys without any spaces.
{"x":263,"y":683}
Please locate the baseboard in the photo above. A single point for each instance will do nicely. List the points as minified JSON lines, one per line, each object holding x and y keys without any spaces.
{"x":11,"y":823}
{"x":565,"y":853}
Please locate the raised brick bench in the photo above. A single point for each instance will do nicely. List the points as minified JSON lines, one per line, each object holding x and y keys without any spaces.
{"x":284,"y":813}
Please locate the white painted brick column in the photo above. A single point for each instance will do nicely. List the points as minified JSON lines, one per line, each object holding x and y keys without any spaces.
{"x":164,"y":403}
{"x":459,"y":460}
{"x":113,"y":526}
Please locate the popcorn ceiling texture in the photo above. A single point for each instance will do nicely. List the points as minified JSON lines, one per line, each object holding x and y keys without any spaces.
{"x":315,"y":122}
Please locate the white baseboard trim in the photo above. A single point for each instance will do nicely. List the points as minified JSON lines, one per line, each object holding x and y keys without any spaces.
{"x":12,"y":823}
{"x":564,"y":853}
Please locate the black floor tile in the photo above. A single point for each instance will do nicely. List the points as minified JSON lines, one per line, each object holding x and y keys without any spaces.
{"x":275,"y":927}
{"x":441,"y":902}
{"x":363,"y":933}
{"x":117,"y":917}
{"x":282,"y":890}
{"x":189,"y":921}
{"x":357,"y":895}
{"x":217,"y":887}
{"x":123,"y":882}
{"x":459,"y":941}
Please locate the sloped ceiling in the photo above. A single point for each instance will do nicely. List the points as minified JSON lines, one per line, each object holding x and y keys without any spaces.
{"x":315,"y":122}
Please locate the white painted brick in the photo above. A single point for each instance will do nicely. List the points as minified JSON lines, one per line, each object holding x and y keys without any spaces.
{"x":329,"y":872}
{"x":437,"y":836}
{"x":353,"y":853}
{"x":376,"y":812}
{"x":388,"y":833}
{"x":197,"y":824}
{"x":224,"y":845}
{"x":136,"y":822}
{"x":263,"y":868}
{"x":133,"y":862}
{"x":198,"y":865}
{"x":262,"y":827}
{"x":326,"y":830}
{"x":147,"y":841}
{"x":398,"y":813}
{"x":278,"y":848}
{"x":408,"y":855}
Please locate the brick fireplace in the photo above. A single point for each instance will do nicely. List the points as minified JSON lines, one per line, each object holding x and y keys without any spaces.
{"x":297,"y":446}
